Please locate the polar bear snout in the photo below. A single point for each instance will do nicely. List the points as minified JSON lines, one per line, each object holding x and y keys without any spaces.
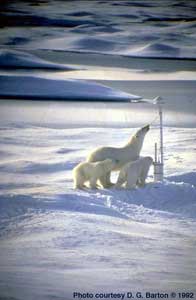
{"x":142,"y":132}
{"x":146,"y":128}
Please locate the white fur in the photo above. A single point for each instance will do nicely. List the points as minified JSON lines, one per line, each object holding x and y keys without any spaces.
{"x":134,"y":173}
{"x":91,"y":172}
{"x":123,"y":155}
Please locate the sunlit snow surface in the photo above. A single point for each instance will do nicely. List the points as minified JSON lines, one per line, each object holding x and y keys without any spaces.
{"x":55,"y":240}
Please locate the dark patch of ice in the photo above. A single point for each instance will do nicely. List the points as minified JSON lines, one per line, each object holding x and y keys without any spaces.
{"x":80,"y":14}
{"x":171,"y":19}
{"x":17,"y":41}
{"x":65,"y":150}
{"x":7,"y":19}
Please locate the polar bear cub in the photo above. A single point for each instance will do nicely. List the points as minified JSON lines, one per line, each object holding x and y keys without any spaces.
{"x":134,"y":173}
{"x":91,"y":172}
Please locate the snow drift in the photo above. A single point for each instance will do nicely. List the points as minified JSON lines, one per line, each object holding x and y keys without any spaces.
{"x":20,"y":59}
{"x":37,"y":88}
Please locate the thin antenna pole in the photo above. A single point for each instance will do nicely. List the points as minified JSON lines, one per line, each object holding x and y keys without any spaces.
{"x":155,"y":152}
{"x":158,"y":165}
{"x":161,"y":133}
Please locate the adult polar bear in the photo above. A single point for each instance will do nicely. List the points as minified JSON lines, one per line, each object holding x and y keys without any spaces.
{"x":122,"y":155}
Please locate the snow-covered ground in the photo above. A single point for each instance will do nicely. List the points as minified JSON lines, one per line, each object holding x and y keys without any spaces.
{"x":55,"y":240}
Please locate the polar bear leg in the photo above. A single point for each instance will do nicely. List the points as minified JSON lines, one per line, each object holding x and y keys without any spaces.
{"x":131,"y":180}
{"x":143,"y":176}
{"x":93,"y":182}
{"x":102,"y":180}
{"x":122,"y":177}
{"x":141,"y":182}
{"x":79,"y":181}
{"x":108,"y":181}
{"x":105,"y":180}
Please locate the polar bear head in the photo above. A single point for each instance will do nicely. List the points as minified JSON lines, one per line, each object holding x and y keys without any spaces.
{"x":137,"y":140}
{"x":148,"y":160}
{"x":142,"y":132}
{"x":108,"y":164}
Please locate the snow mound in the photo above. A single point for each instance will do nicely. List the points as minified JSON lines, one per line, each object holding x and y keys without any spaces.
{"x":94,"y":44}
{"x":178,"y":198}
{"x":157,"y":50}
{"x":185,"y":178}
{"x":19,"y":59}
{"x":146,"y":204}
{"x":37,"y":88}
{"x":140,"y":204}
